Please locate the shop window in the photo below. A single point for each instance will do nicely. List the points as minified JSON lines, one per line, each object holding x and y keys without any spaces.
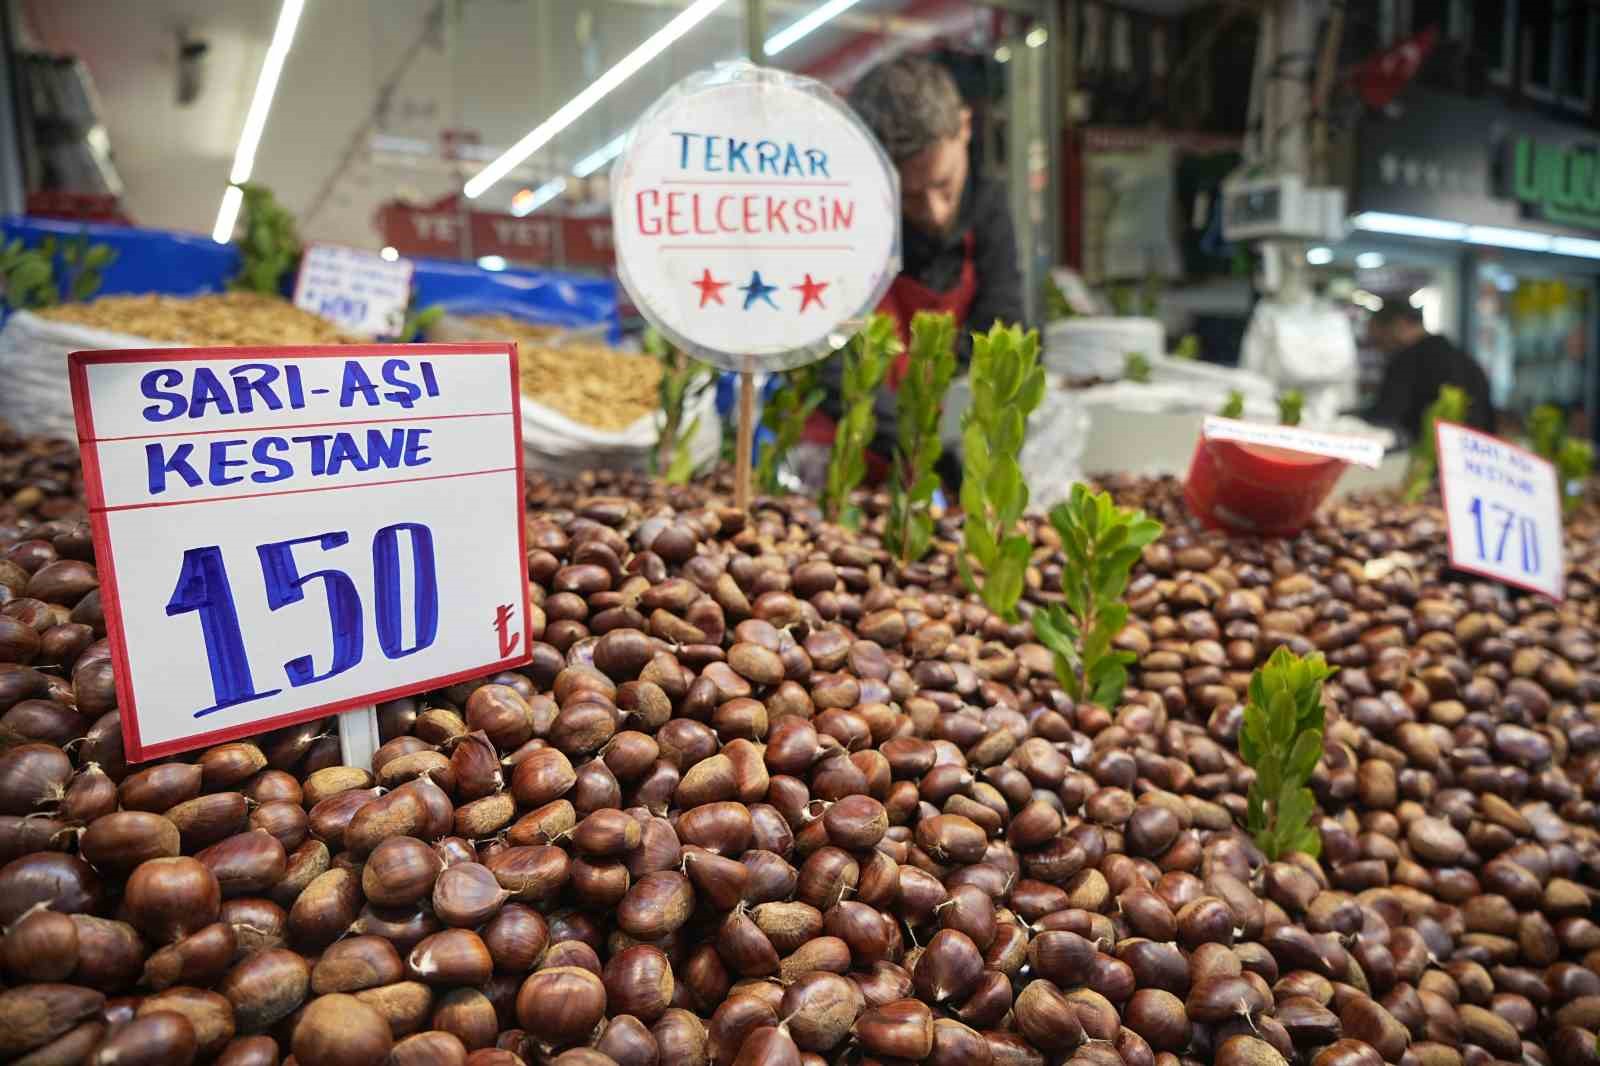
{"x":1538,"y":35}
{"x":1579,"y":31}
{"x":1494,"y":37}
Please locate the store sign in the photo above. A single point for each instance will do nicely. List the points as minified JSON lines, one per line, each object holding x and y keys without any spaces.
{"x":288,"y":532}
{"x":443,"y":231}
{"x":1559,"y":182}
{"x":1476,"y":161}
{"x":357,"y":291}
{"x":1502,"y":509}
{"x":755,"y":217}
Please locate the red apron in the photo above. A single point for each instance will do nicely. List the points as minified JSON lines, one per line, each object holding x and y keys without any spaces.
{"x":907,"y":296}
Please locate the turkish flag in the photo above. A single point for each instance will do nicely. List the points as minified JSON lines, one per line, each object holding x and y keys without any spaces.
{"x":1380,"y":79}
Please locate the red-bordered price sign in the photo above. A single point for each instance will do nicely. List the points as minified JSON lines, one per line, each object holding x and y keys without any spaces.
{"x":1502,"y":508}
{"x":283,"y":533}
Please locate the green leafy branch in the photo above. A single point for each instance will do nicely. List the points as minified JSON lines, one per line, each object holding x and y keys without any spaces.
{"x":918,"y":404}
{"x":419,"y":320}
{"x":1136,"y":368}
{"x":1281,"y":740}
{"x":1007,"y":384}
{"x":30,"y":273}
{"x":1291,"y":403}
{"x":1450,"y":406}
{"x":1234,"y":407}
{"x":785,"y":415}
{"x":1572,"y":457}
{"x":270,"y":248}
{"x":866,"y":361}
{"x":1188,"y":347}
{"x":1102,"y":542}
{"x":682,"y":381}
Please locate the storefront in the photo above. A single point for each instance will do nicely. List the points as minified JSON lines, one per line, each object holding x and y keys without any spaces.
{"x":1488,"y":220}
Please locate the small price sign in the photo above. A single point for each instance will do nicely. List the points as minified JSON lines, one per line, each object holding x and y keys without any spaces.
{"x":357,"y":291}
{"x":288,"y":532}
{"x":1502,"y":509}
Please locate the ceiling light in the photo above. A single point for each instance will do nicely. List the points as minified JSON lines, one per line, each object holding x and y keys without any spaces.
{"x":1576,"y":246}
{"x":492,"y":262}
{"x":1509,"y":238}
{"x":1409,"y":225}
{"x":600,"y":156}
{"x":537,"y":198}
{"x":1370,"y":260}
{"x":255,"y":120}
{"x":390,"y":253}
{"x":803,"y":26}
{"x":1319,"y":255}
{"x":1002,"y":54}
{"x":597,"y":90}
{"x":1036,"y":37}
{"x":228,"y":214}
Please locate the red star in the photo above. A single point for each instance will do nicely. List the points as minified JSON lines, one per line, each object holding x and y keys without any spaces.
{"x":810,"y":292}
{"x":710,"y":288}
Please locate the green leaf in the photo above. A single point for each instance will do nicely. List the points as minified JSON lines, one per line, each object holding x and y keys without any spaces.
{"x":1281,"y":719}
{"x":1303,"y":756}
{"x":1255,"y":811}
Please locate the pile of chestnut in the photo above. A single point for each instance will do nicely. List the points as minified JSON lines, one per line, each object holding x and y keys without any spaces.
{"x":764,"y":798}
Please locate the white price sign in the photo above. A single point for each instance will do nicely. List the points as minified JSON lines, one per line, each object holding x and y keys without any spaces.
{"x":357,"y":291}
{"x":283,"y":533}
{"x":1502,"y":508}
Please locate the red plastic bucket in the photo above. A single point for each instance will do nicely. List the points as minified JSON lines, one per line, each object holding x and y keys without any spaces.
{"x":1257,"y":488}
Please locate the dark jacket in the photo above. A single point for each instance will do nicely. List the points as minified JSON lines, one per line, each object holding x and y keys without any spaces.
{"x":1412,"y":379}
{"x":935,"y":261}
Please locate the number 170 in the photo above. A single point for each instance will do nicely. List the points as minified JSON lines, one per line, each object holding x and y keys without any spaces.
{"x":1500,"y":523}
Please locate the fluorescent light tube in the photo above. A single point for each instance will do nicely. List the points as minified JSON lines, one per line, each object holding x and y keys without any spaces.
{"x":1576,"y":246}
{"x":805,"y":25}
{"x":539,"y":197}
{"x":255,"y":121}
{"x":227,"y":214}
{"x":597,"y":90}
{"x":1409,"y":226}
{"x":600,"y":156}
{"x":1509,"y":238}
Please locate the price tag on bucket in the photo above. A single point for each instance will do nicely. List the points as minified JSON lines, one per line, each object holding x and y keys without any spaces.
{"x":357,"y":291}
{"x":1502,"y":509}
{"x":757,"y":222}
{"x":288,"y":533}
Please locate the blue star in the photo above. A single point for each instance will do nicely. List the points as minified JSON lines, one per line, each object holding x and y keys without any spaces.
{"x":758,"y":290}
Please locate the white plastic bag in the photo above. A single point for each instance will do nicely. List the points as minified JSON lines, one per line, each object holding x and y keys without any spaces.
{"x":554,"y":444}
{"x":35,"y":397}
{"x":1305,"y":345}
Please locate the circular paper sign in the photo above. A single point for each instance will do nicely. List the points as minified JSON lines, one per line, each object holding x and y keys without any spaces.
{"x":756,"y":219}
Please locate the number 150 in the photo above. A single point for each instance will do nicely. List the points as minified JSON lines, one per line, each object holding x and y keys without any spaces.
{"x":203,"y":587}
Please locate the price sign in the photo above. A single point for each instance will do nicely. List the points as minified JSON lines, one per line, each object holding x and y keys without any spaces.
{"x":756,"y":218}
{"x":357,"y":291}
{"x":284,"y":533}
{"x":1502,"y":508}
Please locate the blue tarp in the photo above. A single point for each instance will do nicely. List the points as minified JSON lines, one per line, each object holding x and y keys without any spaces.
{"x":187,"y":264}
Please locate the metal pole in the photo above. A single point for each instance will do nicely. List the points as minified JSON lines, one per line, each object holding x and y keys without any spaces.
{"x":755,"y":31}
{"x":13,"y":189}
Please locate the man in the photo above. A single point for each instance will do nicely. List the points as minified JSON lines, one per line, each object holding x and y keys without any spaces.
{"x":1419,"y":363}
{"x":958,"y":249}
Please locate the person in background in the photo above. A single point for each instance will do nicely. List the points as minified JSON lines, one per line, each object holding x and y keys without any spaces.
{"x":958,"y":248}
{"x":1418,"y":363}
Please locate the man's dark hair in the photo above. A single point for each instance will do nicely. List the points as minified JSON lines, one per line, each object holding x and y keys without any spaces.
{"x":909,"y":103}
{"x":1394,"y":311}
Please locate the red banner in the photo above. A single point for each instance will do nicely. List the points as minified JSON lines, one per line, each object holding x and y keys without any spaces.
{"x":1380,"y":79}
{"x":443,"y":231}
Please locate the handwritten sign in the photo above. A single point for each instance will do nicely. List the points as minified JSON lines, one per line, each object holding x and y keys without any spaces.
{"x":756,"y":219}
{"x":1362,"y":451}
{"x":1502,"y":510}
{"x":288,"y":532}
{"x":357,"y":291}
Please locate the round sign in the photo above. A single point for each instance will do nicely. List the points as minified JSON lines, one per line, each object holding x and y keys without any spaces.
{"x":756,"y":219}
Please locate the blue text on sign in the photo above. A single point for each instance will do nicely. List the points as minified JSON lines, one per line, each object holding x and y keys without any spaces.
{"x":720,"y":154}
